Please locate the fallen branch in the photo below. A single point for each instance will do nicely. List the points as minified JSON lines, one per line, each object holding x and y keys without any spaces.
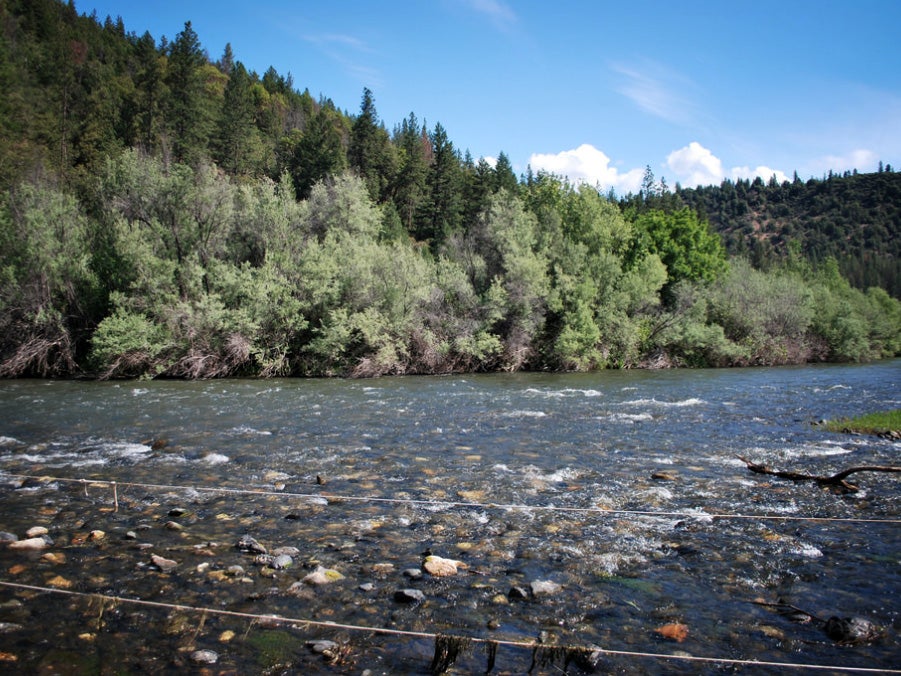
{"x":834,"y":480}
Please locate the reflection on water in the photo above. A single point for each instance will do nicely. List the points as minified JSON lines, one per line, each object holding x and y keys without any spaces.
{"x":639,"y":468}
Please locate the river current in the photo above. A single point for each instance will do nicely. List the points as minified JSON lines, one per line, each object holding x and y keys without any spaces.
{"x":606,"y":510}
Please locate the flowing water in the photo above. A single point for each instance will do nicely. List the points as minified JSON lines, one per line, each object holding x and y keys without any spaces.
{"x":623,"y":488}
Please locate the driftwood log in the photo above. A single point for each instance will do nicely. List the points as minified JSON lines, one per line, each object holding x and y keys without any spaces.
{"x":838,"y":480}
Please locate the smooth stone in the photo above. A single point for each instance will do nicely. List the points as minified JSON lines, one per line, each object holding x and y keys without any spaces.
{"x":665,"y":475}
{"x":282,"y":561}
{"x":8,"y":537}
{"x":545,"y":587}
{"x":172,"y":525}
{"x":441,"y":567}
{"x":322,"y":576}
{"x":321,"y":646}
{"x":249,"y":544}
{"x":205,"y":656}
{"x":36,"y":531}
{"x":30,"y":545}
{"x":413,"y":573}
{"x":131,"y":535}
{"x":285,"y":551}
{"x":367,"y":587}
{"x":162,"y":563}
{"x":409,"y":596}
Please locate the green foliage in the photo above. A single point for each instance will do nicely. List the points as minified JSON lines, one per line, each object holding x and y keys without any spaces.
{"x":880,"y":422}
{"x":47,"y":286}
{"x":228,"y":224}
{"x":684,"y":243}
{"x":852,"y":218}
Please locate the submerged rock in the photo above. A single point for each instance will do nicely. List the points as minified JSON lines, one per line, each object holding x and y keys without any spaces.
{"x":31,"y":544}
{"x":204,"y":657}
{"x":249,"y":545}
{"x":164,"y":564}
{"x":322,"y":576}
{"x":545,"y":588}
{"x":851,"y":630}
{"x":409,"y":596}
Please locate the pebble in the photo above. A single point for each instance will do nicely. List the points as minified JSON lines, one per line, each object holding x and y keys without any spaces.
{"x":250,"y":545}
{"x":162,"y":563}
{"x":321,"y":646}
{"x":172,"y":525}
{"x":409,"y":596}
{"x":322,"y":576}
{"x":205,"y":656}
{"x":30,"y":544}
{"x":441,"y":567}
{"x":36,"y":531}
{"x":545,"y":588}
{"x":367,"y":587}
{"x":281,"y":562}
{"x":517,"y":594}
{"x":413,"y":573}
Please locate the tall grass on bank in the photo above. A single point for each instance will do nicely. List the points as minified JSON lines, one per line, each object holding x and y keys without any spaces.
{"x":881,"y":423}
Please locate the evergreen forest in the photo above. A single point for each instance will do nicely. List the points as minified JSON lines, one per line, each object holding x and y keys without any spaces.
{"x":168,"y":214}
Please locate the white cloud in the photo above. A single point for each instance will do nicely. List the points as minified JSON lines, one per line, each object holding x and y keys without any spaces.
{"x":763,"y":172}
{"x":695,"y":165}
{"x":587,"y":164}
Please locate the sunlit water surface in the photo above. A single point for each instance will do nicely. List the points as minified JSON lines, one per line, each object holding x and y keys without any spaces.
{"x":642,"y":468}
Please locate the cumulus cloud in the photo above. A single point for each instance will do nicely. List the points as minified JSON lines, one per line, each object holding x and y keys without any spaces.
{"x":695,"y":165}
{"x":587,"y":164}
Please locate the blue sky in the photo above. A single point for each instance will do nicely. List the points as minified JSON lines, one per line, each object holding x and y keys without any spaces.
{"x":592,"y":89}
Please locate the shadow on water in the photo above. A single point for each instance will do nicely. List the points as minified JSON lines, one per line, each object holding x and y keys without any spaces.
{"x":590,"y":510}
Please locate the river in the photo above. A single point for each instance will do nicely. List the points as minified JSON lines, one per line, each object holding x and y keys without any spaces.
{"x":605,"y":510}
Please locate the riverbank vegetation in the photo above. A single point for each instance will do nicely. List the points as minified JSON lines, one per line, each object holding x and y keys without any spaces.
{"x":883,"y":423}
{"x":164,"y":215}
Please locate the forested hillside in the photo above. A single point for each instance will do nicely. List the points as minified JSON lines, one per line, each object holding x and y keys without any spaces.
{"x":166,"y":214}
{"x":854,"y":218}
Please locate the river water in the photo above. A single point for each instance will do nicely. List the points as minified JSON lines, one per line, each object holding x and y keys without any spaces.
{"x":623,"y":489}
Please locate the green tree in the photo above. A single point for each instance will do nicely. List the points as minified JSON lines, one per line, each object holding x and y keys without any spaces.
{"x":442,"y":210}
{"x":236,"y":130}
{"x":370,"y":153}
{"x":684,"y":242}
{"x":185,"y":109}
{"x":320,"y":152}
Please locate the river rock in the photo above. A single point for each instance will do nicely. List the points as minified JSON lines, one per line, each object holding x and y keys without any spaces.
{"x":321,"y":646}
{"x":31,"y":544}
{"x":36,"y":531}
{"x":164,"y":564}
{"x":851,"y":630}
{"x":322,"y":576}
{"x":8,"y":537}
{"x":250,"y":545}
{"x":409,"y":596}
{"x":204,"y":657}
{"x":281,"y":562}
{"x":665,"y":475}
{"x":441,"y":567}
{"x":545,"y":588}
{"x":517,"y":594}
{"x":293,"y":552}
{"x":412,"y":573}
